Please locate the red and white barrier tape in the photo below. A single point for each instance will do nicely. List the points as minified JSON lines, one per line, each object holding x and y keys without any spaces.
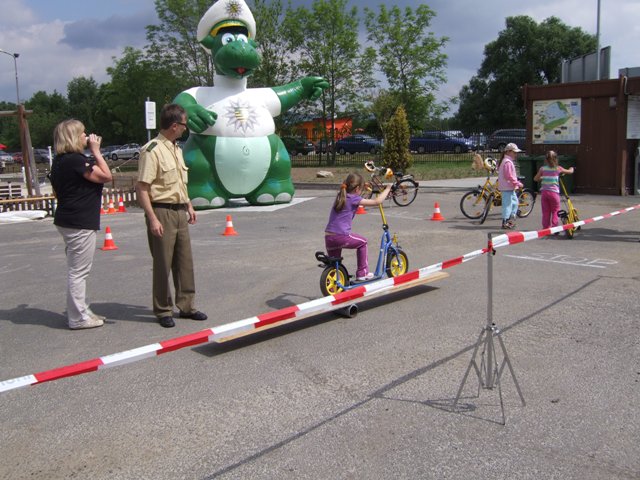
{"x":512,"y":238}
{"x":313,"y":307}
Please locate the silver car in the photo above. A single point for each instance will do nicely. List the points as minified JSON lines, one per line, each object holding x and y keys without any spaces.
{"x":130,"y":150}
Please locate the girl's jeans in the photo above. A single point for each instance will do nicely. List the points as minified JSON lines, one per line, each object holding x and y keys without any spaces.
{"x":509,"y":204}
{"x":335,"y":244}
{"x":550,"y":202}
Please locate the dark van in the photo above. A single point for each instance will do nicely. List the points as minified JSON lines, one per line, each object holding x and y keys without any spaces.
{"x":499,"y":139}
{"x":439,"y":142}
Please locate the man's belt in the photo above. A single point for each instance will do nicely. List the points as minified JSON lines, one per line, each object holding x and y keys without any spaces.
{"x":170,"y":206}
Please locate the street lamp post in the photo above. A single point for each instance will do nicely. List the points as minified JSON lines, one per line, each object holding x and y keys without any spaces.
{"x":15,"y":66}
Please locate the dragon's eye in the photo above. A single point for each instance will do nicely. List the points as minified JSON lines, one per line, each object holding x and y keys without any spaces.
{"x":242,"y":38}
{"x":227,"y":38}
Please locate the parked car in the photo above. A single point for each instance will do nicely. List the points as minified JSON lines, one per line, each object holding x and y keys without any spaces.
{"x":500,"y":138}
{"x":358,"y":144}
{"x":6,"y":157}
{"x":17,"y":157}
{"x":41,"y":155}
{"x":439,"y":142}
{"x":130,"y":150}
{"x":322,"y":144}
{"x":479,"y":141}
{"x":298,"y":146}
{"x":106,"y":151}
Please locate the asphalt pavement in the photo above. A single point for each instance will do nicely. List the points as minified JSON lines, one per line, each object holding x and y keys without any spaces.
{"x":330,"y":397}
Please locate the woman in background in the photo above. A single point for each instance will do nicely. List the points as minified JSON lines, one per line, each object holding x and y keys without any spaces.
{"x":77,"y":182}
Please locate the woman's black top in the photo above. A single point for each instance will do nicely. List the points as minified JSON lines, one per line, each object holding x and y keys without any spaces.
{"x":79,"y":199}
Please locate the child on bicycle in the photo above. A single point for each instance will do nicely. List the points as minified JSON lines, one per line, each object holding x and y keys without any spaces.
{"x":508,"y":183}
{"x":550,"y":188}
{"x":338,"y":234}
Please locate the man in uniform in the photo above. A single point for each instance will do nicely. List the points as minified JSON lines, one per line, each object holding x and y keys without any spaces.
{"x":162,"y":193}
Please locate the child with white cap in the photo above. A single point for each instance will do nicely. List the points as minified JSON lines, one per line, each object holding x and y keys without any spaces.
{"x":508,"y":183}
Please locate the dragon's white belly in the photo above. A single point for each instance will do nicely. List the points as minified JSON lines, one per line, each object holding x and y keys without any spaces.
{"x":242,"y":163}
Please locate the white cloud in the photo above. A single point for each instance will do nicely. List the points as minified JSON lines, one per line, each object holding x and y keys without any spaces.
{"x":54,"y":51}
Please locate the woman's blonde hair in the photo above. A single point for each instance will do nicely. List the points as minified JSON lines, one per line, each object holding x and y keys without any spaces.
{"x":67,"y":137}
{"x":351,"y":183}
{"x":551,"y":158}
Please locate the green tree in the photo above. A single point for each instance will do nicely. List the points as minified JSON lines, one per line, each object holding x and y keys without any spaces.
{"x":135,"y":78}
{"x":395,"y":153}
{"x":276,"y":65}
{"x":409,"y":56}
{"x":82,"y":96}
{"x":48,"y":111}
{"x":173,"y":45}
{"x":524,"y":53}
{"x":325,"y":39}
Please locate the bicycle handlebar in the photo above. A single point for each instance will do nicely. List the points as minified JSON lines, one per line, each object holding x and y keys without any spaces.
{"x":371,"y":167}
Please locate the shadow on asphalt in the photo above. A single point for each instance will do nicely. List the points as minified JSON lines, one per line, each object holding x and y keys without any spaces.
{"x":465,"y":409}
{"x":23,"y":314}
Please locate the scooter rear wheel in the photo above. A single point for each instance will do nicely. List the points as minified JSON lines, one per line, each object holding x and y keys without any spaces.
{"x":330,"y":278}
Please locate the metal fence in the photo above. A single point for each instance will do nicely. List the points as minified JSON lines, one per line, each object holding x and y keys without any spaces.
{"x":358,"y":159}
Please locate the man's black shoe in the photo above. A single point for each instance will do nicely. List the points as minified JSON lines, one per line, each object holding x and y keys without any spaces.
{"x":166,"y":322}
{"x":197,"y":315}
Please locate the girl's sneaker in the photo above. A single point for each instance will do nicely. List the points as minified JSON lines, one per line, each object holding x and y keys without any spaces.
{"x":368,"y":276}
{"x":506,"y":225}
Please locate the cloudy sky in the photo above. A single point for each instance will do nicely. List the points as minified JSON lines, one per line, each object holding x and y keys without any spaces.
{"x":61,"y":39}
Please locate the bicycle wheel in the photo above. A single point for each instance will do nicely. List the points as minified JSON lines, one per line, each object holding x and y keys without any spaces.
{"x":330,"y":278}
{"x":526,"y":201}
{"x":487,"y":208}
{"x":404,"y":192}
{"x":397,"y":263}
{"x":472,"y":204}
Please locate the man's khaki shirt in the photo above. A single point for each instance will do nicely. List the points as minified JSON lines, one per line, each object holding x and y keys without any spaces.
{"x":162,"y":166}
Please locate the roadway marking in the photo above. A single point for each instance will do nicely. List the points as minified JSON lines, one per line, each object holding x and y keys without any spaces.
{"x":236,"y":205}
{"x":567,"y":260}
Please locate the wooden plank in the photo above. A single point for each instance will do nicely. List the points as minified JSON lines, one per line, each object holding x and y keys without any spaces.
{"x":413,"y":283}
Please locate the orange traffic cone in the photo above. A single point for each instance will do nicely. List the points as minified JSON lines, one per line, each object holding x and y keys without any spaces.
{"x":108,"y":241}
{"x":229,"y":230}
{"x":111,"y":210}
{"x":121,"y":208}
{"x":361,"y":210}
{"x":102,"y":212}
{"x":436,"y":213}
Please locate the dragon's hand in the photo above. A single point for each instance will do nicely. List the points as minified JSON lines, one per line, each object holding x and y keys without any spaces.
{"x":313,"y":87}
{"x":199,"y":118}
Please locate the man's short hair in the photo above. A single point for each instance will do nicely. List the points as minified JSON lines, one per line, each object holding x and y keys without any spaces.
{"x":170,"y":114}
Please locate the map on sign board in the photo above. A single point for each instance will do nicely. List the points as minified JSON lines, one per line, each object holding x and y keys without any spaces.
{"x":556,"y":121}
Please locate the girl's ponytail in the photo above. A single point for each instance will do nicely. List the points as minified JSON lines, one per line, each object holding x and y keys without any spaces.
{"x":341,"y":198}
{"x":351,"y":183}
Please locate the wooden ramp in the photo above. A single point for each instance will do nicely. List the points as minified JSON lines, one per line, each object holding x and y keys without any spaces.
{"x":292,"y":314}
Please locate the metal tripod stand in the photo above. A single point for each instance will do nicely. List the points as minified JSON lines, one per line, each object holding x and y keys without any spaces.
{"x":489,"y":372}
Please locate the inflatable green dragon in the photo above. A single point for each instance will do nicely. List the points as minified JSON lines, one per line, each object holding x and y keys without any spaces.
{"x":232,"y":150}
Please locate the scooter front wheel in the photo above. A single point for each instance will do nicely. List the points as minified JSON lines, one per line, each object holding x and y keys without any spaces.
{"x":332,"y":280}
{"x":569,"y":231}
{"x":397,"y":263}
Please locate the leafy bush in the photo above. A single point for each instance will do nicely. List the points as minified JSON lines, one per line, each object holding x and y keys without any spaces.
{"x":395,"y":153}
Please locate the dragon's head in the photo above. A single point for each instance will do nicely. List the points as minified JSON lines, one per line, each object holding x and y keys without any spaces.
{"x":227,"y":31}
